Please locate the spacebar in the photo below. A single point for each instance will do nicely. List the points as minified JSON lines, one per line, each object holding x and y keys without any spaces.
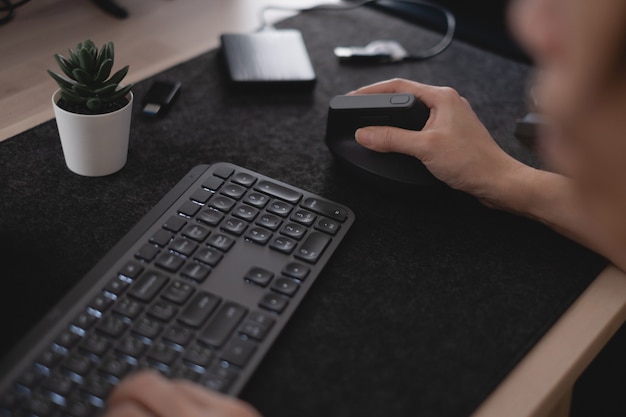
{"x":222,"y":324}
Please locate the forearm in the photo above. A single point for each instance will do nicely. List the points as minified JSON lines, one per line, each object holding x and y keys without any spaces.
{"x":556,"y":201}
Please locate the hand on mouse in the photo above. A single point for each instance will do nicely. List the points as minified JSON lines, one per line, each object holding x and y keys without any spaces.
{"x":149,"y":394}
{"x":454,"y":145}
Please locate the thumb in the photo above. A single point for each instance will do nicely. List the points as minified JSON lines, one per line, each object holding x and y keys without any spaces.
{"x":390,"y":139}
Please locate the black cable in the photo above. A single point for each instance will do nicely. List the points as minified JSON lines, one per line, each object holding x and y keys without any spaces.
{"x":9,"y":9}
{"x":441,"y":46}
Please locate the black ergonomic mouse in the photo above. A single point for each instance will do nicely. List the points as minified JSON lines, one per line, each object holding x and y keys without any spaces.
{"x":347,"y":113}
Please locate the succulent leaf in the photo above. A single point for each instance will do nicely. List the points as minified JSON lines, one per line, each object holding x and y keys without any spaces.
{"x":106,"y":90}
{"x":88,"y":44}
{"x":82,"y":76}
{"x":94,"y":104}
{"x":104,"y":71}
{"x":65,"y":65}
{"x":119,"y":75}
{"x":73,"y":58}
{"x":71,"y":97}
{"x":82,"y":91}
{"x":101,"y":56}
{"x":86,"y":60}
{"x":62,"y":82}
{"x":120,"y":93}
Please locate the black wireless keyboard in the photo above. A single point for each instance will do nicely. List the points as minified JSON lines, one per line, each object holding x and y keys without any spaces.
{"x":199,"y":289}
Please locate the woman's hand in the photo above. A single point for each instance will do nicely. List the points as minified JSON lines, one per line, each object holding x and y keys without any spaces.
{"x":454,"y":145}
{"x":149,"y":394}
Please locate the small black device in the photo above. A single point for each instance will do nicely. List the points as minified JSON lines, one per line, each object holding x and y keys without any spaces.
{"x":347,"y":113}
{"x":270,"y":60}
{"x":159,"y":97}
{"x":198,"y":289}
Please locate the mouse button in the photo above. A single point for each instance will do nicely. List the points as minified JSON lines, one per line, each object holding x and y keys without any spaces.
{"x":400,"y":99}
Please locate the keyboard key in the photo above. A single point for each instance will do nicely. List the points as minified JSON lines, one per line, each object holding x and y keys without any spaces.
{"x":67,"y":339}
{"x":304,"y":217}
{"x":198,"y":355}
{"x":60,"y":384}
{"x":178,"y":292}
{"x":256,"y":330}
{"x":222,"y":203}
{"x":293,"y":230}
{"x":96,"y":344}
{"x":147,"y":327}
{"x":259,"y":235}
{"x":184,"y":246}
{"x":169,"y":261}
{"x":327,"y":226}
{"x":219,"y":378}
{"x":238,"y":352}
{"x":101,"y":303}
{"x":112,"y":325}
{"x":161,"y":237}
{"x":274,"y":302}
{"x":296,"y":270}
{"x":212,"y":217}
{"x":259,"y":276}
{"x":131,"y":270}
{"x":280,"y":208}
{"x":285,"y":286}
{"x":163,"y":310}
{"x":148,"y":285}
{"x":196,"y":271}
{"x":244,"y":179}
{"x":200,"y":308}
{"x":233,"y":191}
{"x":98,"y":386}
{"x":178,"y":334}
{"x":131,"y":346}
{"x":174,"y":224}
{"x":163,"y":353}
{"x":326,"y":208}
{"x":209,"y":256}
{"x":283,"y":244}
{"x":189,"y":209}
{"x":256,"y":199}
{"x":278,"y":191}
{"x":245,"y":212}
{"x":201,"y":196}
{"x":78,"y":363}
{"x":223,"y":172}
{"x":117,"y":285}
{"x":128,"y":307}
{"x":269,"y":221}
{"x":221,"y":242}
{"x":312,"y":247}
{"x":213,"y":183}
{"x":147,"y":252}
{"x":222,"y":324}
{"x":234,"y":226}
{"x":114,"y":366}
{"x":197,"y":233}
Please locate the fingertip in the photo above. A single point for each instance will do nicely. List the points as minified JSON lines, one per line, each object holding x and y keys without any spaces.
{"x":364,"y":137}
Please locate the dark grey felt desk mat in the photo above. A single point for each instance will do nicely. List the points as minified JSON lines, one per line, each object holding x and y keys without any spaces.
{"x":424,"y":308}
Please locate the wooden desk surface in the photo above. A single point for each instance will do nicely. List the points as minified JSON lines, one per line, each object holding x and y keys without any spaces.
{"x":162,"y":33}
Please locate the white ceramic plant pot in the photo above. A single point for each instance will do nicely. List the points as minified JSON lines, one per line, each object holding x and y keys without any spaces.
{"x":94,"y":145}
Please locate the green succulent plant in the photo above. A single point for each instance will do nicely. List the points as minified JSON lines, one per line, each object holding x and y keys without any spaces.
{"x":89,"y":85}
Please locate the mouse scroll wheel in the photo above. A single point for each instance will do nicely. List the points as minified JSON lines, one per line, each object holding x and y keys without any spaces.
{"x":377,"y":51}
